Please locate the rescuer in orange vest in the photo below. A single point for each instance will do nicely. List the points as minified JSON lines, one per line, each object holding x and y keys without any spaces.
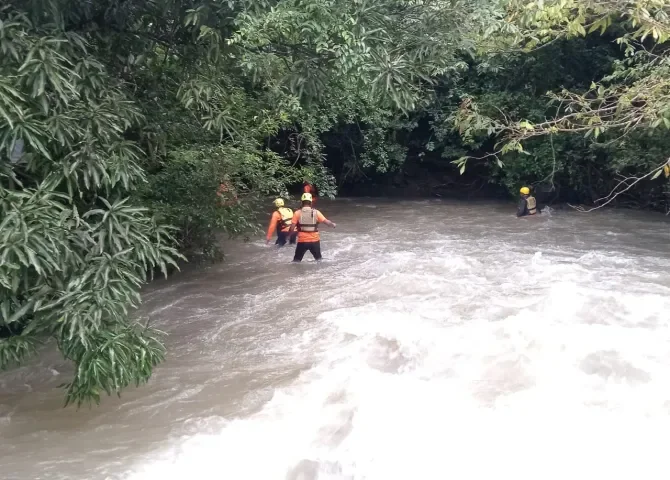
{"x":281,"y":222}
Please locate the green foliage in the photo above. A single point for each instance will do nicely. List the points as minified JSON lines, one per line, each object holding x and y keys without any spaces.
{"x":75,"y":247}
{"x":119,"y":118}
{"x":392,"y":48}
{"x":193,"y":174}
{"x":616,"y":110}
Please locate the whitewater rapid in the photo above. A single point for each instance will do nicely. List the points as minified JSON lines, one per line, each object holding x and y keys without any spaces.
{"x":437,"y":340}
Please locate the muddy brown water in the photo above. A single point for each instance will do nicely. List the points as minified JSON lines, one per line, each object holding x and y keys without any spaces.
{"x":437,"y":340}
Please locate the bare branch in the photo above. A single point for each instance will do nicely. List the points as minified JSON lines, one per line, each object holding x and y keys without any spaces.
{"x":614,"y":194}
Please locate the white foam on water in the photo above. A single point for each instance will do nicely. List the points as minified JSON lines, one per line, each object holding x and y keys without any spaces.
{"x":441,"y":350}
{"x":546,"y":375}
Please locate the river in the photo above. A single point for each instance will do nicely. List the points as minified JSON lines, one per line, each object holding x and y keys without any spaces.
{"x":437,"y":340}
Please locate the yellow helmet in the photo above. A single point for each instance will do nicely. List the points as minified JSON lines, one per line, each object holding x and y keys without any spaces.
{"x":306,"y":197}
{"x":525,"y":191}
{"x":279,"y":203}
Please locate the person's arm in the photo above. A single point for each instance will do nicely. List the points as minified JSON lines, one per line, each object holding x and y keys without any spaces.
{"x":294,"y":222}
{"x":272,"y":227}
{"x":521,"y":209}
{"x":321,"y":219}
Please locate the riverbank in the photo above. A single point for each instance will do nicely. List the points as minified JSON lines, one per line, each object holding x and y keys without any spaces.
{"x":416,"y":181}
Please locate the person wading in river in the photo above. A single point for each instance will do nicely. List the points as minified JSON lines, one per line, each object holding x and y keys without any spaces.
{"x":309,"y":188}
{"x":281,"y":221}
{"x":306,"y":221}
{"x":527,"y":203}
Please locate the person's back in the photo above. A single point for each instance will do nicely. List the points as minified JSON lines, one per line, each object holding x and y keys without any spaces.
{"x":306,"y":221}
{"x":527,"y":203}
{"x":281,"y":222}
{"x":309,"y":188}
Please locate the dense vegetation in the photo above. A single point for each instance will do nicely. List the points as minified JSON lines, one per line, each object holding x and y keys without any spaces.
{"x":133,"y":130}
{"x":570,"y":97}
